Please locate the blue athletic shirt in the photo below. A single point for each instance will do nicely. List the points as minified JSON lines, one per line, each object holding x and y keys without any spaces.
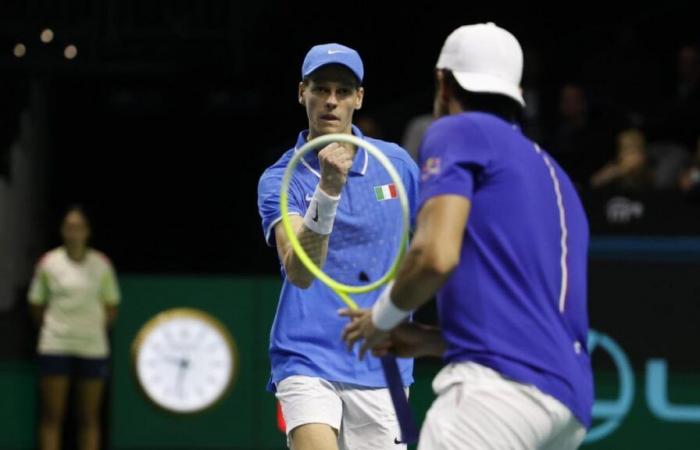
{"x":516,"y":302}
{"x":306,"y":334}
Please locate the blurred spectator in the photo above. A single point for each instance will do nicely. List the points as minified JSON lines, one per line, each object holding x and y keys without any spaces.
{"x":369,"y":126}
{"x":688,"y":72}
{"x":413,"y":133}
{"x":689,"y":179}
{"x":679,"y":118}
{"x":630,"y":171}
{"x":667,"y":159}
{"x":74,"y":297}
{"x":532,"y":94}
{"x":580,"y":143}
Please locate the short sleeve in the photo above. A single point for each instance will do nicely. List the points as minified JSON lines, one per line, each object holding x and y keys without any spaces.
{"x":39,"y":287}
{"x":453,"y":154}
{"x":269,"y":201}
{"x":109,"y":288}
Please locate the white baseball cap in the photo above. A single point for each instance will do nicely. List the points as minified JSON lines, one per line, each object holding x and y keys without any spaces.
{"x":484,"y":58}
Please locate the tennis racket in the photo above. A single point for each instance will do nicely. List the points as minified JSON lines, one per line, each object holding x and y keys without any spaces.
{"x":366,"y":249}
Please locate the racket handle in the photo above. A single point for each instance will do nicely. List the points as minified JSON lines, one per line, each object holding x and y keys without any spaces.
{"x":407,"y":424}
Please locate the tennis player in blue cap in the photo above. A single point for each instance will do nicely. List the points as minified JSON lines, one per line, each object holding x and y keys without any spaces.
{"x":329,"y":400}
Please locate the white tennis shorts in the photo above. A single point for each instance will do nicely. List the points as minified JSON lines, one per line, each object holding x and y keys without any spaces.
{"x":477,"y":408}
{"x":363,"y":417}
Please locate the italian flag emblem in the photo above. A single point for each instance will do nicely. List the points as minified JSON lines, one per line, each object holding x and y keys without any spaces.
{"x":385,"y":192}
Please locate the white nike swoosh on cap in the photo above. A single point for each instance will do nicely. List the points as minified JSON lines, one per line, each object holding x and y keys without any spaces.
{"x":309,"y":197}
{"x":332,"y":52}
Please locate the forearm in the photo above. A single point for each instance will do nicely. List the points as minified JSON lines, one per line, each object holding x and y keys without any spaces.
{"x":418,"y":280}
{"x":420,"y":277}
{"x":605,"y":176}
{"x":432,"y":256}
{"x":316,"y":247}
{"x":432,"y":342}
{"x":312,"y":231}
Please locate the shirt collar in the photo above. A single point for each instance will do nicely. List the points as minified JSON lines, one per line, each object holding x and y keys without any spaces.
{"x":310,"y":161}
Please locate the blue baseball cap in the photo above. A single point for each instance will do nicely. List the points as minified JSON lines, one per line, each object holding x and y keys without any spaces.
{"x":324,"y":54}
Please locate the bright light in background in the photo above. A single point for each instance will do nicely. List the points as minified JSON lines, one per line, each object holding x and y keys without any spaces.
{"x":46,"y":35}
{"x":70,"y":52}
{"x":20,"y":50}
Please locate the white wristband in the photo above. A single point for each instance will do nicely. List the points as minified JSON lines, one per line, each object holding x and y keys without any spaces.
{"x":386,"y":315}
{"x":320,"y":215}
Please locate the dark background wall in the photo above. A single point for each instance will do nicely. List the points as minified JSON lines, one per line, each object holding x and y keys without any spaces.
{"x":171,"y":110}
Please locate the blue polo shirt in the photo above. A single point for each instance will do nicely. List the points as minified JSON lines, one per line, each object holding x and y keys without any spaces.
{"x":306,"y":333}
{"x":517,"y":300}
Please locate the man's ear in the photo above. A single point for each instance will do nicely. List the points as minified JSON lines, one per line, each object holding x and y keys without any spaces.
{"x":302,"y":89}
{"x":359,"y":98}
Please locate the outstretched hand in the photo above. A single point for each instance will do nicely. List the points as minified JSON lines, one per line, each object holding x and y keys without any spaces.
{"x":361,"y":328}
{"x":406,"y":340}
{"x":411,"y":340}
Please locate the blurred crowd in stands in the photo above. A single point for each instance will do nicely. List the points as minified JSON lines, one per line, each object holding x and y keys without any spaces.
{"x":628,"y":152}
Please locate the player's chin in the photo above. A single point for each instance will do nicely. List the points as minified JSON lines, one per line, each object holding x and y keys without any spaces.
{"x":330,"y":126}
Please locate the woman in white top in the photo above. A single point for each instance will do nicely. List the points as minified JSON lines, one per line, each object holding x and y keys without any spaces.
{"x":74,"y":297}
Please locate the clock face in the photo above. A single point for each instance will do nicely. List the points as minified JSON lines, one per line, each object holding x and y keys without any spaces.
{"x":184,"y":360}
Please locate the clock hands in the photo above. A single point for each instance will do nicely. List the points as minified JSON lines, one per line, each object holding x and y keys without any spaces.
{"x":183,"y":365}
{"x":173,"y":359}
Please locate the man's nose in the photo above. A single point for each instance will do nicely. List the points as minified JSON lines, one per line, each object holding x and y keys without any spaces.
{"x":332,"y":99}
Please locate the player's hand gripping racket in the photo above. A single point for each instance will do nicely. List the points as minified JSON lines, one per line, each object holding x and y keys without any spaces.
{"x":366,"y":248}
